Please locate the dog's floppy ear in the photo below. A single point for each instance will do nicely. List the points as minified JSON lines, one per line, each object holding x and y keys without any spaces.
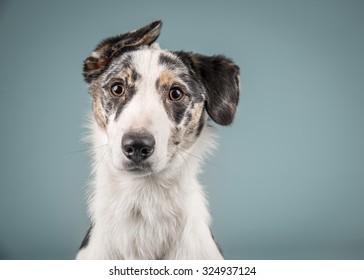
{"x":113,"y":46}
{"x":220,"y":78}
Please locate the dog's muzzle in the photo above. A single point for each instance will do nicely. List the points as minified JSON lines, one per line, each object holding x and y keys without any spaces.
{"x":137,"y":146}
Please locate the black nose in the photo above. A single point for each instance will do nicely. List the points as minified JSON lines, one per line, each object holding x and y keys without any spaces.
{"x":137,"y":146}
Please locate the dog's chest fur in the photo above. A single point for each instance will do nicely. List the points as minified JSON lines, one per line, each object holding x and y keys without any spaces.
{"x":150,"y":218}
{"x":146,"y":218}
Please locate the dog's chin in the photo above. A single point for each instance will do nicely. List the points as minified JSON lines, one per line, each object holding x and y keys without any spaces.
{"x":139,"y":169}
{"x":134,"y":169}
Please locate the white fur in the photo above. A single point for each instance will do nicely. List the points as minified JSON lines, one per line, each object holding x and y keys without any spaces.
{"x":162,"y":215}
{"x":145,"y":111}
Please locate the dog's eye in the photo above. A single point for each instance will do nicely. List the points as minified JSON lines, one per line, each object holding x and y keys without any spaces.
{"x":117,"y":89}
{"x":175,"y":94}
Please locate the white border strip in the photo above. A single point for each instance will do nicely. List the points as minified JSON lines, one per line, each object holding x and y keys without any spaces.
{"x":282,"y":270}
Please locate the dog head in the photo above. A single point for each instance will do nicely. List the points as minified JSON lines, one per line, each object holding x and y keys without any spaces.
{"x":150,"y":103}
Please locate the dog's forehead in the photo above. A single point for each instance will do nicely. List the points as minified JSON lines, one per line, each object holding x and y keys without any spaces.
{"x":148,"y":63}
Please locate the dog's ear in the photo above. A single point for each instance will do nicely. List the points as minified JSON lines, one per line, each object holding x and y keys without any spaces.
{"x":220,"y":78}
{"x":114,"y":46}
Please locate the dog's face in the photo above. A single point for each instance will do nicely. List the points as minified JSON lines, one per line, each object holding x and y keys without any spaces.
{"x":152,"y":103}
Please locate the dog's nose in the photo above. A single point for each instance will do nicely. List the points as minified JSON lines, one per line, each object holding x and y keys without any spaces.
{"x":137,"y":146}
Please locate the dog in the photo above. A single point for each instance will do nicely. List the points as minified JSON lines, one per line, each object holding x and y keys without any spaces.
{"x":152,"y":125}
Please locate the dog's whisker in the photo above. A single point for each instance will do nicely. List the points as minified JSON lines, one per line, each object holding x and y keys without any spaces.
{"x":185,"y":161}
{"x":205,"y":160}
{"x":102,"y":159}
{"x":83,"y":150}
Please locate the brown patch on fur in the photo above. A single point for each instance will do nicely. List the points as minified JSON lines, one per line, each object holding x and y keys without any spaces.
{"x":102,"y":63}
{"x":98,"y":111}
{"x":166,"y":79}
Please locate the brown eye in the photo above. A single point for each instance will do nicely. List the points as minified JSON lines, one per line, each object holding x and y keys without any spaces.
{"x":175,"y":94}
{"x":117,"y":89}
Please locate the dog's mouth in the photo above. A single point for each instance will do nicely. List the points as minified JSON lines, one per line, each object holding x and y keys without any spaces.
{"x":138,"y":168}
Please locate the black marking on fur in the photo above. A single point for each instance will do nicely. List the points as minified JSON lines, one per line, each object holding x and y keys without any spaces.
{"x":124,"y":100}
{"x":217,"y":244}
{"x":175,"y":109}
{"x":201,"y":124}
{"x":134,"y":77}
{"x":136,"y":213}
{"x":188,"y":117}
{"x":184,"y":76}
{"x":125,"y":62}
{"x":126,"y":76}
{"x":157,"y":84}
{"x":170,"y":62}
{"x":86,"y":239}
{"x":113,"y":47}
{"x":178,"y":112}
{"x":220,"y":78}
{"x":187,"y":75}
{"x":194,"y":86}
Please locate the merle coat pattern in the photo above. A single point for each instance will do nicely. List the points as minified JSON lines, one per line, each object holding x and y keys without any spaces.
{"x":151,"y":127}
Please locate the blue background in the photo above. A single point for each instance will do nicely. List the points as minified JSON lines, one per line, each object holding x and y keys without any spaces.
{"x":288,"y":179}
